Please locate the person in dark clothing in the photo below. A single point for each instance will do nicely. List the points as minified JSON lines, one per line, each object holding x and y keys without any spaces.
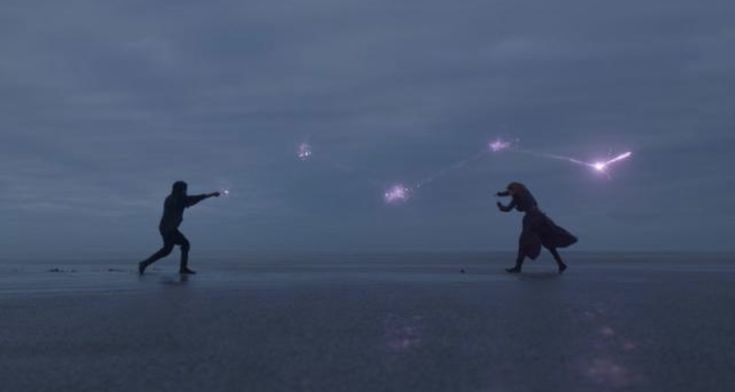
{"x":538,"y":229}
{"x":173,"y":215}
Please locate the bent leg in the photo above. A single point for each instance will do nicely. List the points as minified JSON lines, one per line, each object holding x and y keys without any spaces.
{"x":528,"y":245}
{"x":168,"y":247}
{"x":183,"y":242}
{"x":163,"y":252}
{"x":557,"y":258}
{"x":519,"y":262}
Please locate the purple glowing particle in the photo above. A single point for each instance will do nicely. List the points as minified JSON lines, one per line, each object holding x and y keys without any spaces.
{"x":601,"y":166}
{"x":304,"y":151}
{"x":396,"y":194}
{"x":499,"y":145}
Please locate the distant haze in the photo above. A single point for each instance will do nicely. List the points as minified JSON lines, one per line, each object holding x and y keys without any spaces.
{"x":104,"y":104}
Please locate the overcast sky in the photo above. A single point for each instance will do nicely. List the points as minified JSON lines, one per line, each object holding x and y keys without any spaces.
{"x":104,"y":104}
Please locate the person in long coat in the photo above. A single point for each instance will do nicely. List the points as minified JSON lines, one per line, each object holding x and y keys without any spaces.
{"x":538,"y":229}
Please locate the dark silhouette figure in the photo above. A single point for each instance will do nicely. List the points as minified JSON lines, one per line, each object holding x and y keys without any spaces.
{"x":538,"y":229}
{"x":173,"y":215}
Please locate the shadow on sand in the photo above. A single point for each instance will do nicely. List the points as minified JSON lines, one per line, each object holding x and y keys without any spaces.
{"x":546,"y":275}
{"x":179,"y":280}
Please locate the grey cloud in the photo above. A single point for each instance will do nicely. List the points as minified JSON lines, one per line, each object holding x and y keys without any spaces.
{"x":103,"y":104}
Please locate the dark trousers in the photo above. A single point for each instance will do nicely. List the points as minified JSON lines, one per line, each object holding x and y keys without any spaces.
{"x":170,"y":239}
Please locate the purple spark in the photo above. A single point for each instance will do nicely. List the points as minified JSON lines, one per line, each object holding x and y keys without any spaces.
{"x":598,"y":166}
{"x":499,"y":145}
{"x":304,"y":152}
{"x":601,"y":166}
{"x":396,"y":194}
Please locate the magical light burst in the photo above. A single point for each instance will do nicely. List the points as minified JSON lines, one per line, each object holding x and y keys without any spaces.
{"x":597,"y":166}
{"x":602,"y":166}
{"x":397,"y":194}
{"x":499,"y":145}
{"x":400,"y":193}
{"x":304,"y":151}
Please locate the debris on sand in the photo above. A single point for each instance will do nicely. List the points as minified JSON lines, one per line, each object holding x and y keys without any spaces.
{"x":59,"y":270}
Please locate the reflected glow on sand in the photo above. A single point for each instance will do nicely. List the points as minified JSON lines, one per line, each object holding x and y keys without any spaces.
{"x":402,"y":333}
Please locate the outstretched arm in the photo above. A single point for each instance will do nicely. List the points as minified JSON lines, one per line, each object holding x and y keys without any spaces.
{"x":507,"y":208}
{"x":510,"y":206}
{"x":191,"y":200}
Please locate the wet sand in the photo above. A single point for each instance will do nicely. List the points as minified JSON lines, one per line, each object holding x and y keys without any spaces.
{"x":405,"y":322}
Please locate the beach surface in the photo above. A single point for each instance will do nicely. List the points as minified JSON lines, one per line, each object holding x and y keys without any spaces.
{"x":379,"y":322}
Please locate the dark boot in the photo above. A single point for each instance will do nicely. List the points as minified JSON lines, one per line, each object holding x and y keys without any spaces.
{"x":141,"y":267}
{"x":519,"y":264}
{"x":184,"y":268}
{"x":514,"y":270}
{"x":559,"y":261}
